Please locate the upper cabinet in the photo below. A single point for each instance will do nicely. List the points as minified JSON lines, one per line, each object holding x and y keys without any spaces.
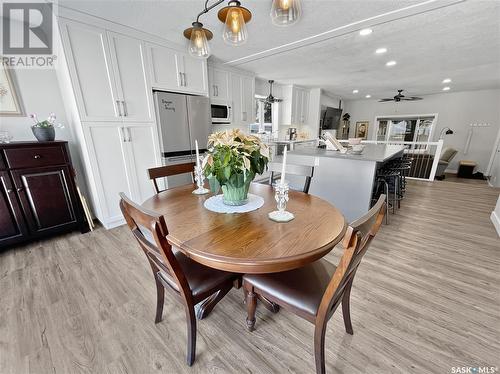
{"x":177,"y":71}
{"x":108,"y":72}
{"x":92,"y":76}
{"x":243,"y":93}
{"x":295,"y":106}
{"x":219,"y":86}
{"x":129,"y":63}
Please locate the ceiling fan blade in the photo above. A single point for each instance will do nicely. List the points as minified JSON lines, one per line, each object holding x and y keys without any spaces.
{"x":411,"y":98}
{"x":385,"y":100}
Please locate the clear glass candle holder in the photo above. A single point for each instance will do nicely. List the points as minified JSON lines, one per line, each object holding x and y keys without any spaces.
{"x":281,"y":197}
{"x":200,"y":181}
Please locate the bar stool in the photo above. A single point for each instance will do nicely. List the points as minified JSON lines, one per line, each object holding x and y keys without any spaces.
{"x":391,"y":177}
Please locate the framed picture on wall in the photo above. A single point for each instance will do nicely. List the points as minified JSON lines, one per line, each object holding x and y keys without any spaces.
{"x":10,"y":101}
{"x":362,"y":129}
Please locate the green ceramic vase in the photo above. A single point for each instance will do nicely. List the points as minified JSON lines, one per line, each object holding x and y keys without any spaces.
{"x":236,"y":195}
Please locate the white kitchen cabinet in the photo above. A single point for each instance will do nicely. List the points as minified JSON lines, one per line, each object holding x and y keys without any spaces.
{"x":194,"y":73}
{"x":164,"y":67}
{"x":92,"y":75}
{"x":144,"y":154}
{"x":243,"y":92}
{"x":130,"y":65}
{"x":120,"y":155}
{"x":295,"y":106}
{"x":177,"y":71}
{"x":219,"y":84}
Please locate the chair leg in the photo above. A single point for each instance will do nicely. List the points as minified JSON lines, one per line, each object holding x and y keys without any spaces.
{"x":268,"y":304}
{"x":191,"y":335}
{"x":160,"y":299}
{"x":251,"y":301}
{"x":346,"y":308}
{"x":319,"y":348}
{"x":204,"y":308}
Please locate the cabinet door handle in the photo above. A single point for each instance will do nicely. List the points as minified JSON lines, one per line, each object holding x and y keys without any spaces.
{"x":10,"y":190}
{"x":215,"y":94}
{"x":122,"y":131}
{"x":36,"y":157}
{"x":180,"y":79}
{"x":217,"y":87}
{"x":185,"y":80}
{"x":19,"y":189}
{"x":129,"y":139}
{"x":125,"y":111}
{"x":119,"y":109}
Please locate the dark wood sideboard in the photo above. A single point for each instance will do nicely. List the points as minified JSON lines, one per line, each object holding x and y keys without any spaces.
{"x":38,"y":195}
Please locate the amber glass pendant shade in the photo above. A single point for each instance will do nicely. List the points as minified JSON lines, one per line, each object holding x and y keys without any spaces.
{"x":235,"y":18}
{"x":198,"y":40}
{"x":285,"y":12}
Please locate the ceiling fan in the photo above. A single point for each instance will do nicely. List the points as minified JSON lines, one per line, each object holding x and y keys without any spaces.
{"x":270,"y":99}
{"x":400,"y":97}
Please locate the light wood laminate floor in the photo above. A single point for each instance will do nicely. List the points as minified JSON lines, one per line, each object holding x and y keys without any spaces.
{"x":426,"y":298}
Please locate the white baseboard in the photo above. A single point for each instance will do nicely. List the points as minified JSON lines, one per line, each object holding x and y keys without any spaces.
{"x":496,"y":221}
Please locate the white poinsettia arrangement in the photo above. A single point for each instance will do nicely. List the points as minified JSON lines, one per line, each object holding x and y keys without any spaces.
{"x":234,"y":158}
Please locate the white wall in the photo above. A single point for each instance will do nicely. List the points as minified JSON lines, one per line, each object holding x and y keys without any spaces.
{"x":456,"y":110}
{"x":495,"y":216}
{"x":39,"y":92}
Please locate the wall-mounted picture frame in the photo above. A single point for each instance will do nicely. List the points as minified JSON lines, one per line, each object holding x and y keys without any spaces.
{"x":10,"y":100}
{"x":362,"y":129}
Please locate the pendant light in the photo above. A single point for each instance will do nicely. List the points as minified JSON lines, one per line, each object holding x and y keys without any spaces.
{"x":198,"y":40}
{"x":285,"y":12}
{"x":235,"y":18}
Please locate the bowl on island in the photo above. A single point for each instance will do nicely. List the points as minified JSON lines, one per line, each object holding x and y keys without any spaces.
{"x":355,"y":141}
{"x":357,"y":149}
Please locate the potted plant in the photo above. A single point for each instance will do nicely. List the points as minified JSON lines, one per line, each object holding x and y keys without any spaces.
{"x":234,"y":159}
{"x":44,"y":131}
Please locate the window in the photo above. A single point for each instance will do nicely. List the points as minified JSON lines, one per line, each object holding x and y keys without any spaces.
{"x":263,"y":116}
{"x":405,"y":128}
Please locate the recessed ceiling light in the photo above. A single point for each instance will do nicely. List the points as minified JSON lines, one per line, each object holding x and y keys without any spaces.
{"x":447,"y":80}
{"x":391,"y":63}
{"x":446,"y":88}
{"x":365,"y":32}
{"x":355,"y":91}
{"x":368,"y":96}
{"x":380,"y":51}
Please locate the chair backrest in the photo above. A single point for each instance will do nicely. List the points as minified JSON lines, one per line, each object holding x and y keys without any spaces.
{"x":167,"y":171}
{"x":292,"y":169}
{"x":448,"y":154}
{"x":150,"y":230}
{"x":356,"y":242}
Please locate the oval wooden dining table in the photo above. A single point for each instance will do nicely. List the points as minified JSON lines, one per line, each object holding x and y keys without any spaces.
{"x":249,"y":242}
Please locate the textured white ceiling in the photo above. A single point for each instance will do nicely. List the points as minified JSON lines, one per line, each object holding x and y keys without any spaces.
{"x":460,"y":41}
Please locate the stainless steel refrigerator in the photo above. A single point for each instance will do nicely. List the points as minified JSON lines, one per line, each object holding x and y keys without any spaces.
{"x":181,"y":120}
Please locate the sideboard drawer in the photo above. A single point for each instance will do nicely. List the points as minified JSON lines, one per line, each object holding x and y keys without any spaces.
{"x":36,"y":156}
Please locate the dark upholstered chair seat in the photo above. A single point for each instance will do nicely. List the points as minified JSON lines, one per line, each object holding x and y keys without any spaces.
{"x":301,"y":288}
{"x":201,"y":279}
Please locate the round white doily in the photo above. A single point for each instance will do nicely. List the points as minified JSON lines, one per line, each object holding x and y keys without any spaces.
{"x":215,"y":204}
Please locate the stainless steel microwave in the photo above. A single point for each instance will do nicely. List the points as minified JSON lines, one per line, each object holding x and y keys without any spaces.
{"x":221,"y":112}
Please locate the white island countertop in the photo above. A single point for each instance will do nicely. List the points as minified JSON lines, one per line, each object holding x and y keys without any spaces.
{"x":371,"y":152}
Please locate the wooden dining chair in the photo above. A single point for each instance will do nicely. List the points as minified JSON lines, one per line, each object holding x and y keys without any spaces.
{"x":190,"y":281}
{"x":315,"y":291}
{"x":291,"y":169}
{"x":167,"y":171}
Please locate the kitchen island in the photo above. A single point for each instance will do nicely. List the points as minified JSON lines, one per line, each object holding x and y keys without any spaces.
{"x":345,"y":180}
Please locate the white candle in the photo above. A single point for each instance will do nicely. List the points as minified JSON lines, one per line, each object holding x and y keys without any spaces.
{"x":282,"y":181}
{"x":197,"y":154}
